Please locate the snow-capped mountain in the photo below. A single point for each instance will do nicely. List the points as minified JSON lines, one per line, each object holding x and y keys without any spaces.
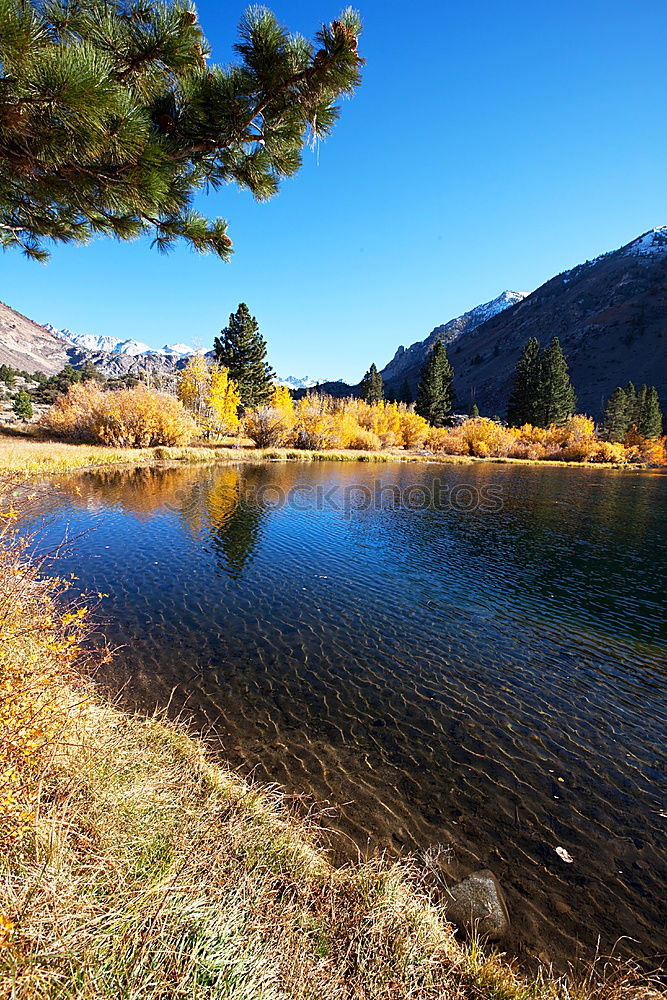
{"x":292,"y":382}
{"x":652,"y":242}
{"x":114,"y":345}
{"x":406,"y":358}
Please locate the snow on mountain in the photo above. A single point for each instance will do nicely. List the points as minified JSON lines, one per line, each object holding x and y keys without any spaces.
{"x":292,"y":382}
{"x":481,"y":313}
{"x":652,"y":242}
{"x":177,"y":350}
{"x":408,"y":358}
{"x":114,"y":345}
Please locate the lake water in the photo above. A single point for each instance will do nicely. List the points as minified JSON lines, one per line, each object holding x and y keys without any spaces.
{"x":465,"y":656}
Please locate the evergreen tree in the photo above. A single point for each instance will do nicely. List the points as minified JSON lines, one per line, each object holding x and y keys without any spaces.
{"x":111,"y":119}
{"x":651,"y":419}
{"x":556,"y":400}
{"x":242,"y":349}
{"x":616,"y":419}
{"x":522,"y":404}
{"x":639,"y":410}
{"x":371,"y":388}
{"x":22,"y":405}
{"x":474,"y":412}
{"x":7,"y":376}
{"x":435,"y":393}
{"x":88,"y":371}
{"x":631,"y":404}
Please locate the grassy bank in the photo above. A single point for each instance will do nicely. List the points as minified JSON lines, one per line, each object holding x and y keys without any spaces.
{"x":134,"y":866}
{"x":34,"y":457}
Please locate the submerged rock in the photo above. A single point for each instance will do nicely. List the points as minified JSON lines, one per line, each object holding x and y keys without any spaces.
{"x":478,"y":904}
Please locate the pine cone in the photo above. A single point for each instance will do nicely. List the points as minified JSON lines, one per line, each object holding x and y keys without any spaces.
{"x":341,"y":31}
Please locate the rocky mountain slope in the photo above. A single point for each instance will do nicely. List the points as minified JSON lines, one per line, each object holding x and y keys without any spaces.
{"x":407,"y":359}
{"x":610,"y":314}
{"x":29,"y":347}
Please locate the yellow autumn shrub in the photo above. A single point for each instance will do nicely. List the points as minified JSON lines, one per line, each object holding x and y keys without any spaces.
{"x":125,"y":418}
{"x":39,"y":642}
{"x":268,"y":427}
{"x":209,"y":394}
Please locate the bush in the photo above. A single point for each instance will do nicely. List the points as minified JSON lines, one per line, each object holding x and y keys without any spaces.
{"x":364,"y":440}
{"x":269,"y":427}
{"x":125,"y":418}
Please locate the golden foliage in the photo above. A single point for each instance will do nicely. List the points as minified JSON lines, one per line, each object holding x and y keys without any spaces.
{"x":125,"y":418}
{"x":574,"y":441}
{"x":39,"y":642}
{"x":272,"y":425}
{"x":210,"y":395}
{"x":323,"y":423}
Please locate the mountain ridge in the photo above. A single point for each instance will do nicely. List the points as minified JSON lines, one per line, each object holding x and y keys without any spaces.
{"x":610,"y":314}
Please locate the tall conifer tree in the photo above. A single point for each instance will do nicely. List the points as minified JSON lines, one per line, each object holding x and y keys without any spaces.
{"x":523,"y":400}
{"x":405,"y":395}
{"x":650,"y":425}
{"x":616,"y":419}
{"x":556,"y":401}
{"x":435,"y":393}
{"x":242,"y":349}
{"x":631,"y":403}
{"x":371,"y":388}
{"x":111,"y":118}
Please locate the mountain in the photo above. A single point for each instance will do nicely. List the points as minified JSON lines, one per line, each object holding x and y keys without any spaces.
{"x":299,"y":383}
{"x":609,"y":313}
{"x":407,"y":363}
{"x":27,"y":346}
{"x":114,"y":345}
{"x":407,"y":359}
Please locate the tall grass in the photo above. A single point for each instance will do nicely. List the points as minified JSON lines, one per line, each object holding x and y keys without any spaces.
{"x":133,"y":866}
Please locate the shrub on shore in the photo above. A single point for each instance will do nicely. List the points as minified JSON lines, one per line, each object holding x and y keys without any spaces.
{"x":123,"y":418}
{"x":321,"y":423}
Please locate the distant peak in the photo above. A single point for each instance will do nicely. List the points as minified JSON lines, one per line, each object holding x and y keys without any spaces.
{"x":488,"y":309}
{"x":652,"y":242}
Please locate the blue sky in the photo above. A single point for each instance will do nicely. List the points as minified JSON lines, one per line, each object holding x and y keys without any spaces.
{"x":492,"y":144}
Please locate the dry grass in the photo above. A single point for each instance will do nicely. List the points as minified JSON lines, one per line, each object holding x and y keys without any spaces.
{"x":32,"y":456}
{"x":135,"y":867}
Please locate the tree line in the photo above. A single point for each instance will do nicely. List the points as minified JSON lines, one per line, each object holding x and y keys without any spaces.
{"x":541,"y":394}
{"x":241,"y":379}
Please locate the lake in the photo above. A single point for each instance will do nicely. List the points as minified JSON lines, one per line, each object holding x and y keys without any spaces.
{"x":463,"y":660}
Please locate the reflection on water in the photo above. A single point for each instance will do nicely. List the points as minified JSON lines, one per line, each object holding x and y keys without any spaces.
{"x":492,"y":679}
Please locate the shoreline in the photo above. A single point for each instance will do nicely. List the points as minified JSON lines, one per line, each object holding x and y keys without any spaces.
{"x":36,"y":457}
{"x":145,"y":856}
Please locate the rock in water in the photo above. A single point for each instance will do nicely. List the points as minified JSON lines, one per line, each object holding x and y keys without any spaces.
{"x":478,"y":904}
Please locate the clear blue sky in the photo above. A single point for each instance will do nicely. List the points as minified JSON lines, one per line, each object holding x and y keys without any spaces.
{"x":493,"y":144}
